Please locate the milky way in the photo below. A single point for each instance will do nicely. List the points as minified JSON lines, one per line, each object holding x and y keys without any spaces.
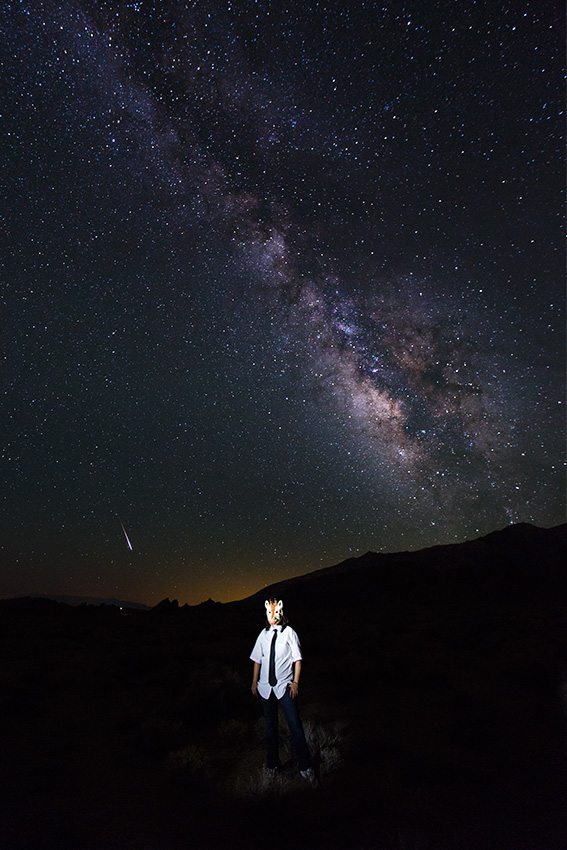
{"x":283,"y":284}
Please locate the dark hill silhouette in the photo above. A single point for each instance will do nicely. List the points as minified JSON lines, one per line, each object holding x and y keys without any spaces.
{"x":75,"y":601}
{"x":521,"y":561}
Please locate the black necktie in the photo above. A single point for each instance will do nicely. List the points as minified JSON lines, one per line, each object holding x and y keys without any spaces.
{"x":272,"y":668}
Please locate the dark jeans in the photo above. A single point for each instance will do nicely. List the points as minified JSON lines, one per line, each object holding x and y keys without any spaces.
{"x":289,"y":708}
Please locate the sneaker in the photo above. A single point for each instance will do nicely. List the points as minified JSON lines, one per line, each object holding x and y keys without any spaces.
{"x":309,"y":775}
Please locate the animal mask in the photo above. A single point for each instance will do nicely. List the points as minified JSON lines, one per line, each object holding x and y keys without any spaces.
{"x":274,"y":611}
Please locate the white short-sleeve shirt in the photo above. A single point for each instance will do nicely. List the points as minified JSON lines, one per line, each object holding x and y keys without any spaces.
{"x":288,"y":650}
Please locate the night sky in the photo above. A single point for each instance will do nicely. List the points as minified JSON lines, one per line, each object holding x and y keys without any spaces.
{"x":282,"y":282}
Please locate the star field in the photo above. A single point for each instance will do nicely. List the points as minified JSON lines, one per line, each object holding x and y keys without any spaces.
{"x":281,"y":283}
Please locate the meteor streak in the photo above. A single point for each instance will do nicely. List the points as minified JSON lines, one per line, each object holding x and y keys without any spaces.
{"x":126,"y":536}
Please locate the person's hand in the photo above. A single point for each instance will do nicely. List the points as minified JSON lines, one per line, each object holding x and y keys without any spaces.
{"x":254,"y":689}
{"x":293,"y":689}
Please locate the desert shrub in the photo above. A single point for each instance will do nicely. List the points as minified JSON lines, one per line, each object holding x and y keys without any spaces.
{"x":190,"y":763}
{"x":263,"y":783}
{"x":211,"y":697}
{"x":231,"y":732}
{"x":324,"y":745}
{"x":406,"y":838}
{"x":231,"y":694}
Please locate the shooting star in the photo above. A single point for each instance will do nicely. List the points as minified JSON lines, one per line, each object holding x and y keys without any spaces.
{"x":125,"y":535}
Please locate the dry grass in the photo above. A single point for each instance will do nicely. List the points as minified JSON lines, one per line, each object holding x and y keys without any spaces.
{"x":324,"y":741}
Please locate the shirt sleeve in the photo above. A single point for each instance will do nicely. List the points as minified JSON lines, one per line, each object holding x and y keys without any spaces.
{"x":256,"y":654}
{"x":294,"y":646}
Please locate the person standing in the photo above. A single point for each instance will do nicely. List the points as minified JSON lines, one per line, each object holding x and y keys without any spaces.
{"x":277,"y":668}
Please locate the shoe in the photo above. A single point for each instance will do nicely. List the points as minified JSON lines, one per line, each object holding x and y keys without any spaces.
{"x":309,"y":775}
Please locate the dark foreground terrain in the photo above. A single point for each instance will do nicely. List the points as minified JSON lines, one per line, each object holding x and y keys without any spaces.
{"x":433,"y":692}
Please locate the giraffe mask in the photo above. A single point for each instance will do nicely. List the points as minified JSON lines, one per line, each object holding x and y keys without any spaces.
{"x":274,"y":611}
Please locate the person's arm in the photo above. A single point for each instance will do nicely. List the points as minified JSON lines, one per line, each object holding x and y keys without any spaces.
{"x":255,"y":677}
{"x":294,"y":686}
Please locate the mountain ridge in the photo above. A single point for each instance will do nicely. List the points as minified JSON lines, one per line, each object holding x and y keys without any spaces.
{"x":521,"y":554}
{"x":75,"y":601}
